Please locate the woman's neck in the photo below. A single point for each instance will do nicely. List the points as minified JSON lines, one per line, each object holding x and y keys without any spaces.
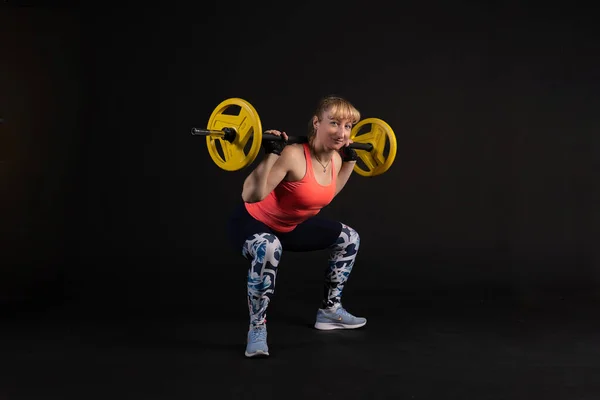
{"x":319,"y":151}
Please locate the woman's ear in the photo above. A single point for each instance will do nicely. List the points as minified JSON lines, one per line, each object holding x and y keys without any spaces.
{"x":315,"y":122}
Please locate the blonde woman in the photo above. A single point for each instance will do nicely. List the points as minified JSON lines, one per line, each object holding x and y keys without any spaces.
{"x":282,"y":198}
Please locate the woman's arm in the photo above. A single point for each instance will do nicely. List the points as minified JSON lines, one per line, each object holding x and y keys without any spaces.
{"x":267,"y":175}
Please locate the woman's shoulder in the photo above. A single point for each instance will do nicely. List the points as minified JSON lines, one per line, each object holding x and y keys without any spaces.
{"x":294,"y":160}
{"x":293,"y":151}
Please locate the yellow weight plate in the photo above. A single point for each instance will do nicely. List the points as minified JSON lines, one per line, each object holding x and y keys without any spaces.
{"x":382,"y":137}
{"x":238,"y":114}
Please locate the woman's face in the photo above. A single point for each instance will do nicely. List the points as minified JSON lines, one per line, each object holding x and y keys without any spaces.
{"x":333,"y":132}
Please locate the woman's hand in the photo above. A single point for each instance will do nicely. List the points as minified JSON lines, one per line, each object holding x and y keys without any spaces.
{"x":274,"y":146}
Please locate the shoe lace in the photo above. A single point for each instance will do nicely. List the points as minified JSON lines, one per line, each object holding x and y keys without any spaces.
{"x":342,"y":311}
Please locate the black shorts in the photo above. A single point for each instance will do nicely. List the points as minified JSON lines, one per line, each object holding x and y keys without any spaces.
{"x":316,"y":233}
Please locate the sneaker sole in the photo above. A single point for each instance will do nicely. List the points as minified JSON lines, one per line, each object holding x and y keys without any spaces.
{"x":327,"y":326}
{"x":258,"y":353}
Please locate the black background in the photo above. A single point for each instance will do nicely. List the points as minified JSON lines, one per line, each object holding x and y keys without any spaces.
{"x":108,"y":203}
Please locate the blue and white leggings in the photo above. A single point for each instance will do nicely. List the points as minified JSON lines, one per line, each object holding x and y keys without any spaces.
{"x":264,"y":251}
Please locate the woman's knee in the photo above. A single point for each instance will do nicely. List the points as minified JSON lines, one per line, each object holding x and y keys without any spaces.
{"x":263,"y":246}
{"x":348,"y":237}
{"x":353,"y":235}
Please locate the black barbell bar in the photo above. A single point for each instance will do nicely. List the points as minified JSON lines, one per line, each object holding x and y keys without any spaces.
{"x":228,"y":134}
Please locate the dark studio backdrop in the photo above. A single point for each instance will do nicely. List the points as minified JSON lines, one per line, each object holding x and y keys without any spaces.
{"x":108,"y":203}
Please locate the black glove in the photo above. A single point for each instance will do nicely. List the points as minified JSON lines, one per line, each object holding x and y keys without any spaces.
{"x":274,"y":146}
{"x":348,"y":154}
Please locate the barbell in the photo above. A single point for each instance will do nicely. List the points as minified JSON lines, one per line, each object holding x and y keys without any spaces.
{"x":233,"y":139}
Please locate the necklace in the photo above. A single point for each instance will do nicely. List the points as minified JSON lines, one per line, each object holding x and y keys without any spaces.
{"x":324,"y":166}
{"x":312,"y":151}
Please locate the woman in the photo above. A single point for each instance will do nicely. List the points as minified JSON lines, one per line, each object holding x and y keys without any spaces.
{"x":281,"y":199}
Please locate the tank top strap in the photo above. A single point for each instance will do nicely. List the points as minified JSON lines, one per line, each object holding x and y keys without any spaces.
{"x":332,"y":169}
{"x":309,"y":169}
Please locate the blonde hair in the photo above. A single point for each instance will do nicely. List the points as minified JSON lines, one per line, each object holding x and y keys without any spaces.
{"x":339,"y":107}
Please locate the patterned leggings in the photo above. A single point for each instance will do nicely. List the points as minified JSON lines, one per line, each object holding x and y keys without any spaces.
{"x":264,"y":251}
